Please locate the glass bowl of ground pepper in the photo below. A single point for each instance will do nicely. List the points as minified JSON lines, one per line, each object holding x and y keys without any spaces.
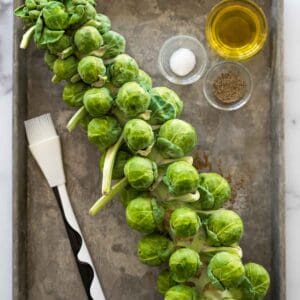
{"x":228,"y":86}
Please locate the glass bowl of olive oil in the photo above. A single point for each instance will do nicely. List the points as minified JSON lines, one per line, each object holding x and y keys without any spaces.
{"x":237,"y":29}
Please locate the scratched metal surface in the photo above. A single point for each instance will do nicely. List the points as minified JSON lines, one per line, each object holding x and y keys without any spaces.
{"x":245,"y":146}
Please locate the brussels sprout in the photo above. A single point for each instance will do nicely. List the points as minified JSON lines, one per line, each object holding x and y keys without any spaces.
{"x":154,"y":249}
{"x":104,"y":23}
{"x":73,"y":93}
{"x":49,"y":59}
{"x":176,"y":138}
{"x":184,"y":264}
{"x":224,"y":228}
{"x":120,"y":161}
{"x":104,"y":132}
{"x":214,"y":191}
{"x":64,"y":69}
{"x":144,"y":214}
{"x":181,"y":178}
{"x":181,"y":292}
{"x":256,"y":283}
{"x":55,"y":16}
{"x":165,"y":282}
{"x":165,"y":105}
{"x":140,"y":172}
{"x":184,"y":222}
{"x":138,"y":135}
{"x":225,"y":270}
{"x":80,"y":12}
{"x":144,"y":80}
{"x":123,"y":69}
{"x":97,"y":101}
{"x":92,"y":70}
{"x":114,"y":44}
{"x":87,"y":39}
{"x":59,"y":46}
{"x":128,"y":194}
{"x":132,"y":99}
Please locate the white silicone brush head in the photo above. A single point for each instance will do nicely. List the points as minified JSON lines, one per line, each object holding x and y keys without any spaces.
{"x":45,"y":147}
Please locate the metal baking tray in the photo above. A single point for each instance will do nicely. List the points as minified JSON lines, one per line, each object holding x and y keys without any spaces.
{"x":246,"y":146}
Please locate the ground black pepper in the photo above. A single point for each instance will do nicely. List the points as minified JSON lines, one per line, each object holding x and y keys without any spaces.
{"x":229,"y":87}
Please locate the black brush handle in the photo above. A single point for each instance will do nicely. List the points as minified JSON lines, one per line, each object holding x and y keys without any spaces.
{"x":82,"y":257}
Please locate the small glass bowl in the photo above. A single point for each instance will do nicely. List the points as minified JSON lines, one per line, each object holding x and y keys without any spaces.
{"x":212,"y":75}
{"x":173,"y":44}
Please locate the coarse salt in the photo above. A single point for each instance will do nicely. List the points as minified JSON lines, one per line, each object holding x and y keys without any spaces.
{"x":182,"y":61}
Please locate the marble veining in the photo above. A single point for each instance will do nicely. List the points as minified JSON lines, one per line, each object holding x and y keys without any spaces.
{"x":292,"y":146}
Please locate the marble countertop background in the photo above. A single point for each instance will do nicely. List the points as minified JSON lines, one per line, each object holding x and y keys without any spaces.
{"x":292,"y":146}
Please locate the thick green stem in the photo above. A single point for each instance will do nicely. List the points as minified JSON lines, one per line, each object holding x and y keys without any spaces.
{"x":66,"y":53}
{"x":75,"y":78}
{"x":79,"y":115}
{"x":188,"y":159}
{"x":100,"y":203}
{"x":27,"y":37}
{"x":109,"y":162}
{"x":99,"y":52}
{"x":55,"y":79}
{"x":190,"y":197}
{"x":206,"y":213}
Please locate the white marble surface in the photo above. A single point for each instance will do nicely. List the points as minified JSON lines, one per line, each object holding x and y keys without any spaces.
{"x":292,"y":147}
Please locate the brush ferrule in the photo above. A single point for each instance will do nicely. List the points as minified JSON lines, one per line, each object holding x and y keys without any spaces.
{"x":49,"y":157}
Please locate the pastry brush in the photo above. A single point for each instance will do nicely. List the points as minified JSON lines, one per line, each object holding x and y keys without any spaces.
{"x":44,"y":144}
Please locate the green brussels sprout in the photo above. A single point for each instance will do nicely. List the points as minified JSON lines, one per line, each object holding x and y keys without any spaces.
{"x":256,"y":283}
{"x":184,"y":264}
{"x":92,"y":70}
{"x":225,"y":270}
{"x":176,"y":138}
{"x":104,"y":23}
{"x":87,"y":39}
{"x":73,"y":93}
{"x":138,"y":135}
{"x":114,"y":44}
{"x":154,"y":249}
{"x":165,"y":105}
{"x":224,"y":228}
{"x":123,"y":69}
{"x":165,"y":282}
{"x":132,"y":99}
{"x":120,"y":161}
{"x":80,"y":12}
{"x":181,"y":178}
{"x":181,"y":292}
{"x":59,"y":46}
{"x":55,"y":16}
{"x":104,"y":132}
{"x":128,"y":194}
{"x":144,"y":80}
{"x":49,"y":59}
{"x":141,"y":172}
{"x":184,"y":222}
{"x":97,"y":101}
{"x":64,"y":69}
{"x":214,"y":191}
{"x":144,"y":214}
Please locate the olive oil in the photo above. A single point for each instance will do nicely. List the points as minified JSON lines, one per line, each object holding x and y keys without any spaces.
{"x":236,"y":29}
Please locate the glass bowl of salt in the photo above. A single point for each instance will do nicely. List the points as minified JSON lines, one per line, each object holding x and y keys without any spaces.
{"x":182,"y":59}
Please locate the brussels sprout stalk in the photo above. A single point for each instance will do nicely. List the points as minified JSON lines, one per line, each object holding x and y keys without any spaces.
{"x":109,"y":161}
{"x":66,"y":53}
{"x":27,"y":37}
{"x":160,"y":160}
{"x":100,"y":203}
{"x":199,"y":244}
{"x":77,"y":117}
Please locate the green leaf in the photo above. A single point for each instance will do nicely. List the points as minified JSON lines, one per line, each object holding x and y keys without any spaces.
{"x":38,"y":29}
{"x":50,"y":36}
